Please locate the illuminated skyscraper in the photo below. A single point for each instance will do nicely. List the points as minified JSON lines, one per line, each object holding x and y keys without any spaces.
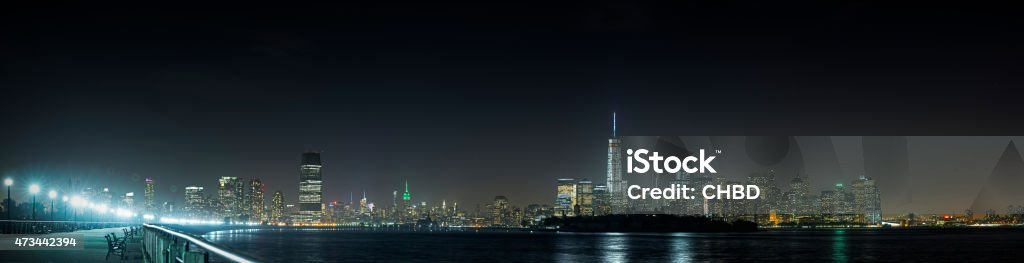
{"x":310,"y":189}
{"x":798,"y":199}
{"x":769,"y":196}
{"x":363,"y":209}
{"x":194,"y":201}
{"x":229,"y":190}
{"x":866,"y":200}
{"x":498,"y":211}
{"x":616,"y":185}
{"x":601,"y":205}
{"x":150,"y":204}
{"x":404,"y":212}
{"x":406,"y":196}
{"x":845,"y":200}
{"x":256,"y":195}
{"x":128,"y":202}
{"x":277,"y":208}
{"x":584,"y":198}
{"x":106,"y":197}
{"x":565,"y":197}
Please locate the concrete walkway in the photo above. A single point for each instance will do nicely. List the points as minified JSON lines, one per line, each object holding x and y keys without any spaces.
{"x":95,"y":250}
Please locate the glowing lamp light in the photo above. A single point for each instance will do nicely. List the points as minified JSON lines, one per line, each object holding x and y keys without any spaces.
{"x":65,"y":199}
{"x":53,"y":194}
{"x":77,"y":201}
{"x":33,"y":189}
{"x":8,"y":181}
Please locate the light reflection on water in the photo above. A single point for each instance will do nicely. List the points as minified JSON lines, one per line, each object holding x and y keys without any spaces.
{"x":814,"y":246}
{"x":839,"y":246}
{"x":614,"y":248}
{"x":681,"y":247}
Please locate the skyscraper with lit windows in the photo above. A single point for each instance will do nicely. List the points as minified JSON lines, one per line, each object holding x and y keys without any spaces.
{"x":565,"y":197}
{"x":615,"y":184}
{"x":229,"y":192}
{"x":128,"y":201}
{"x":866,"y":200}
{"x":277,"y":208}
{"x":584,"y":198}
{"x":498,"y":211}
{"x":150,"y":204}
{"x":256,"y":195}
{"x":194,"y":204}
{"x":310,"y":188}
{"x":601,"y":205}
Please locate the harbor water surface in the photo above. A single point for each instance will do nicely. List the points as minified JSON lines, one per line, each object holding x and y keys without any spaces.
{"x":838,"y":245}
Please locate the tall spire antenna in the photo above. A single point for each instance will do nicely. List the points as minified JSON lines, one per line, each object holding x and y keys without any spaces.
{"x":613,"y":125}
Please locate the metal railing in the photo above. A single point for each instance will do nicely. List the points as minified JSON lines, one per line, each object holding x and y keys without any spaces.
{"x":163,"y":245}
{"x":46,"y":227}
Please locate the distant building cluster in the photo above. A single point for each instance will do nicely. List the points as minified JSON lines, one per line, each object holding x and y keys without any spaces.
{"x":856,"y":203}
{"x":238,"y":200}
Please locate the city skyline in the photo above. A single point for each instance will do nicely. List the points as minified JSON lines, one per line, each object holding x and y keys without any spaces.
{"x":141,"y":194}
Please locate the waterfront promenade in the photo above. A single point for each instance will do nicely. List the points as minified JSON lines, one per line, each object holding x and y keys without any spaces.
{"x":95,"y":250}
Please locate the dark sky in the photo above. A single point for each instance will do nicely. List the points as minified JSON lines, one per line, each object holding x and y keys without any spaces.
{"x":468,"y":101}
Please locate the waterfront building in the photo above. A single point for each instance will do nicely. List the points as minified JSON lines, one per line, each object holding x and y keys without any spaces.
{"x":310,"y":189}
{"x":106,"y":197}
{"x":363,"y":209}
{"x":229,"y":191}
{"x":602,"y":206}
{"x":277,"y":208}
{"x":584,"y":198}
{"x":768,"y":200}
{"x":565,"y":197}
{"x":798,"y":199}
{"x":149,"y":203}
{"x":867,"y":201}
{"x":128,"y":201}
{"x":194,"y":203}
{"x":499,"y":210}
{"x":615,"y":183}
{"x":257,"y":204}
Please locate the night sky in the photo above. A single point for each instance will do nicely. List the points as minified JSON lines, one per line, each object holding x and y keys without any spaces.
{"x":469,"y":101}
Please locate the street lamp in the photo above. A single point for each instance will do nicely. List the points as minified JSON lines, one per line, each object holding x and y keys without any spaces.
{"x":33,"y":189}
{"x":76,"y":202}
{"x":8,"y":182}
{"x":65,"y":200}
{"x":53,"y":196}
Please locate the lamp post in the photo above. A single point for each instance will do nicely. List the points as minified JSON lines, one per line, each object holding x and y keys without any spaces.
{"x":53,"y":196}
{"x":65,"y":200}
{"x":75,"y":203}
{"x":33,"y":189}
{"x":8,"y":182}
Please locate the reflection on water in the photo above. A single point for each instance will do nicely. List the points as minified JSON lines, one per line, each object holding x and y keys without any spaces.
{"x":680,"y":250}
{"x":614,"y":247}
{"x":839,"y":246}
{"x":280,"y":245}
